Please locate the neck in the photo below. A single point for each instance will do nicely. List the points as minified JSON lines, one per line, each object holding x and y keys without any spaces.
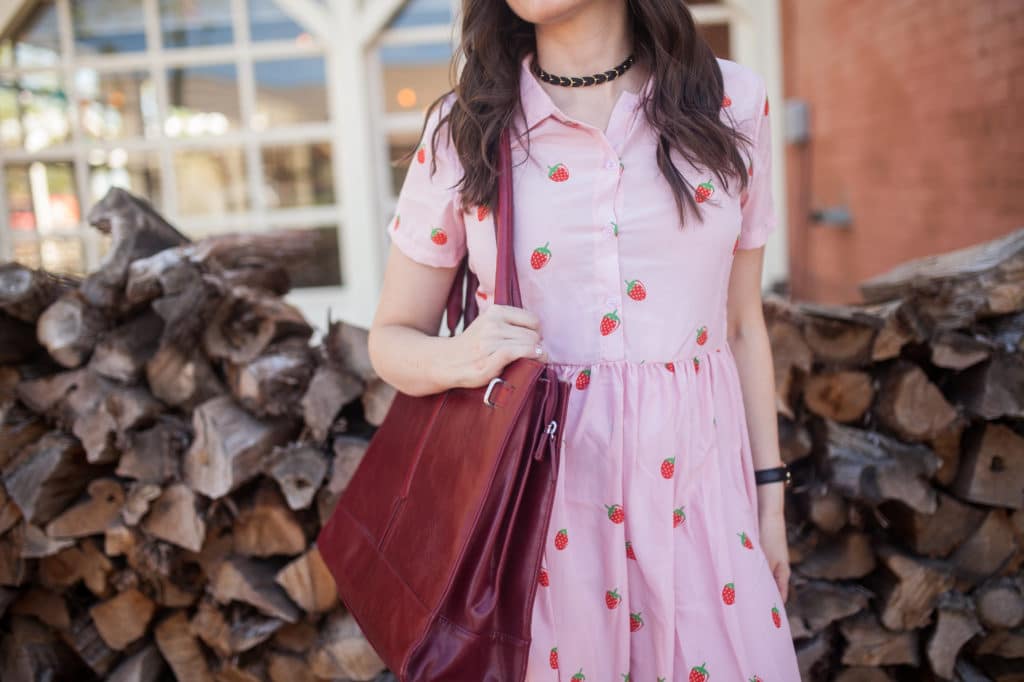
{"x":592,"y":39}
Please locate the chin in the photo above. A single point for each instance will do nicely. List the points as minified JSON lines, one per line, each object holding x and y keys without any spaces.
{"x":546,"y":11}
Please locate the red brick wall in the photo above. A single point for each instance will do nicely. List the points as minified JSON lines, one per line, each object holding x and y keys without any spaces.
{"x":916,"y":111}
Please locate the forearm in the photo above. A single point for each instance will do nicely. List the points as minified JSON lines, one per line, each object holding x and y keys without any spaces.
{"x":413,"y":362}
{"x":752,"y":351}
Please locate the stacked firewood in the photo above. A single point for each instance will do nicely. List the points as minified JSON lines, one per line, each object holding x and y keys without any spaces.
{"x":171,"y":441}
{"x":903,"y":419}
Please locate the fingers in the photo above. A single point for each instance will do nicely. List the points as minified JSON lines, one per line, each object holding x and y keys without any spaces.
{"x":517,"y":316}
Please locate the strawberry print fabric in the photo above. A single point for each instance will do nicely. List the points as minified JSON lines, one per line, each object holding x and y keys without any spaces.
{"x":652,"y":568}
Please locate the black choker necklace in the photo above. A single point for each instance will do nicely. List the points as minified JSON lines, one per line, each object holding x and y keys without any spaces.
{"x":577,"y":81}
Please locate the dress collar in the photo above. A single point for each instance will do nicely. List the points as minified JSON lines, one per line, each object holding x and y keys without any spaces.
{"x":537,"y":103}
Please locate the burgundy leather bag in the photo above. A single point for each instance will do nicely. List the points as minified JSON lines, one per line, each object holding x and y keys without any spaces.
{"x":436,"y":543}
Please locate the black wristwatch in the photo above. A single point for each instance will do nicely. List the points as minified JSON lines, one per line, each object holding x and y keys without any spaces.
{"x":773,"y":474}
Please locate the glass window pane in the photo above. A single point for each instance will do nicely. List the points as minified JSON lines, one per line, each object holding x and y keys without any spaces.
{"x":298,"y":175}
{"x":34,"y":42}
{"x":202,"y":100}
{"x":116,"y":105}
{"x":33,"y":111}
{"x":108,"y":26}
{"x":268,"y":22}
{"x":399,"y":144}
{"x":42,"y":196}
{"x":290,"y":91}
{"x":424,"y":13}
{"x":191,"y":23}
{"x":210,"y":182}
{"x":137,"y":172}
{"x":324,"y":270}
{"x":414,"y":75}
{"x":62,"y":255}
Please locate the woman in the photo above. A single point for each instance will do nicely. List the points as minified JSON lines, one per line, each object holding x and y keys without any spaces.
{"x":642,"y":205}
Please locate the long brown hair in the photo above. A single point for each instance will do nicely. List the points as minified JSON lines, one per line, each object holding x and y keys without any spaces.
{"x":684,"y":105}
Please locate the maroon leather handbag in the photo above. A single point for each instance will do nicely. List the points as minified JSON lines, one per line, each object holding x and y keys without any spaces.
{"x":436,"y":543}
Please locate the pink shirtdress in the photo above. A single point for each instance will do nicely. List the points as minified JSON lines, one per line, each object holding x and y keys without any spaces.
{"x":652,"y":568}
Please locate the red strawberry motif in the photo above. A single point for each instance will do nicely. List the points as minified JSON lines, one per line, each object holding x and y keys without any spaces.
{"x":702,"y":336}
{"x":728,"y":593}
{"x":421,"y":154}
{"x":481,"y":294}
{"x":630,"y":554}
{"x":561,"y":539}
{"x":776,"y":618}
{"x":696,"y":364}
{"x":558,"y":172}
{"x":766,"y":105}
{"x":616,"y":514}
{"x":635,"y":621}
{"x":615,"y":228}
{"x":745,"y":540}
{"x":543,"y":577}
{"x":678,"y":516}
{"x":726,"y":102}
{"x":396,"y":220}
{"x":736,"y":245}
{"x":750,"y":170}
{"x":553,"y":658}
{"x":671,"y":366}
{"x":579,"y":677}
{"x":704,"y":191}
{"x":612,"y":598}
{"x":482,"y":211}
{"x":635,"y":289}
{"x":699,"y":673}
{"x":540,"y":256}
{"x":583,"y":379}
{"x":626,"y":677}
{"x":668,"y":467}
{"x":609,"y":322}
{"x":661,"y":679}
{"x":438,"y":236}
{"x":755,"y":678}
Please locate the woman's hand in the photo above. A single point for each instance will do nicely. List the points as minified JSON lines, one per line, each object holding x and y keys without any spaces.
{"x":775,"y":548}
{"x":496,"y":337}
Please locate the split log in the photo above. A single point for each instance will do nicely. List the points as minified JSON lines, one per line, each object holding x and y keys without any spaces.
{"x":137,"y":502}
{"x":309,"y":583}
{"x":29,"y":651}
{"x":85,"y":639}
{"x":377,"y":399}
{"x":819,"y":603}
{"x":182,"y":378}
{"x":911,"y":406}
{"x":247,"y":321}
{"x":288,"y":668}
{"x":230,"y":446}
{"x":13,"y":569}
{"x":992,"y":468}
{"x":274,"y":383}
{"x":251,"y":582}
{"x":840,"y":336}
{"x":104,"y":411}
{"x":991,"y":389}
{"x":70,"y":328}
{"x":947,"y":447}
{"x":239,"y":630}
{"x":181,"y":650}
{"x":939,"y":533}
{"x":122,"y":352}
{"x":51,"y":473}
{"x":956,"y":624}
{"x":9,"y":512}
{"x":791,"y":357}
{"x":46,"y":395}
{"x":847,"y":556}
{"x":137,"y":231}
{"x":329,"y":390}
{"x":265,"y":526}
{"x":123,"y":619}
{"x":344,"y":652}
{"x":989,"y":549}
{"x":25,"y":293}
{"x":843,"y":396}
{"x":348,"y":453}
{"x":1000,"y":603}
{"x":871,"y":467}
{"x":909,"y":590}
{"x":145,"y":665}
{"x":175,"y":517}
{"x":347,"y":347}
{"x":153,"y":455}
{"x":46,"y":605}
{"x":83,"y":562}
{"x":36,"y":544}
{"x":869,"y":643}
{"x":296,"y":638}
{"x":952,"y":290}
{"x":18,"y":427}
{"x":93,"y":515}
{"x":957,"y":351}
{"x":794,"y":440}
{"x":828,"y":510}
{"x":299,"y":470}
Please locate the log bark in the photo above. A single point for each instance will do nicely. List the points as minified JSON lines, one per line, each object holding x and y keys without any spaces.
{"x":329,"y":390}
{"x":25,"y":293}
{"x":911,"y":406}
{"x":181,"y":650}
{"x":956,"y":623}
{"x":50,"y":475}
{"x":153,"y":455}
{"x":182,"y":378}
{"x":122,"y":353}
{"x":247,"y":321}
{"x":991,"y":389}
{"x":299,"y":471}
{"x":145,"y":665}
{"x":251,"y":581}
{"x":273,"y":384}
{"x":344,"y":652}
{"x":234,"y":632}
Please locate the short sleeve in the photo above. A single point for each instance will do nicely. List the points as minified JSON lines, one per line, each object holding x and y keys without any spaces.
{"x":427,"y":224}
{"x":756,"y":202}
